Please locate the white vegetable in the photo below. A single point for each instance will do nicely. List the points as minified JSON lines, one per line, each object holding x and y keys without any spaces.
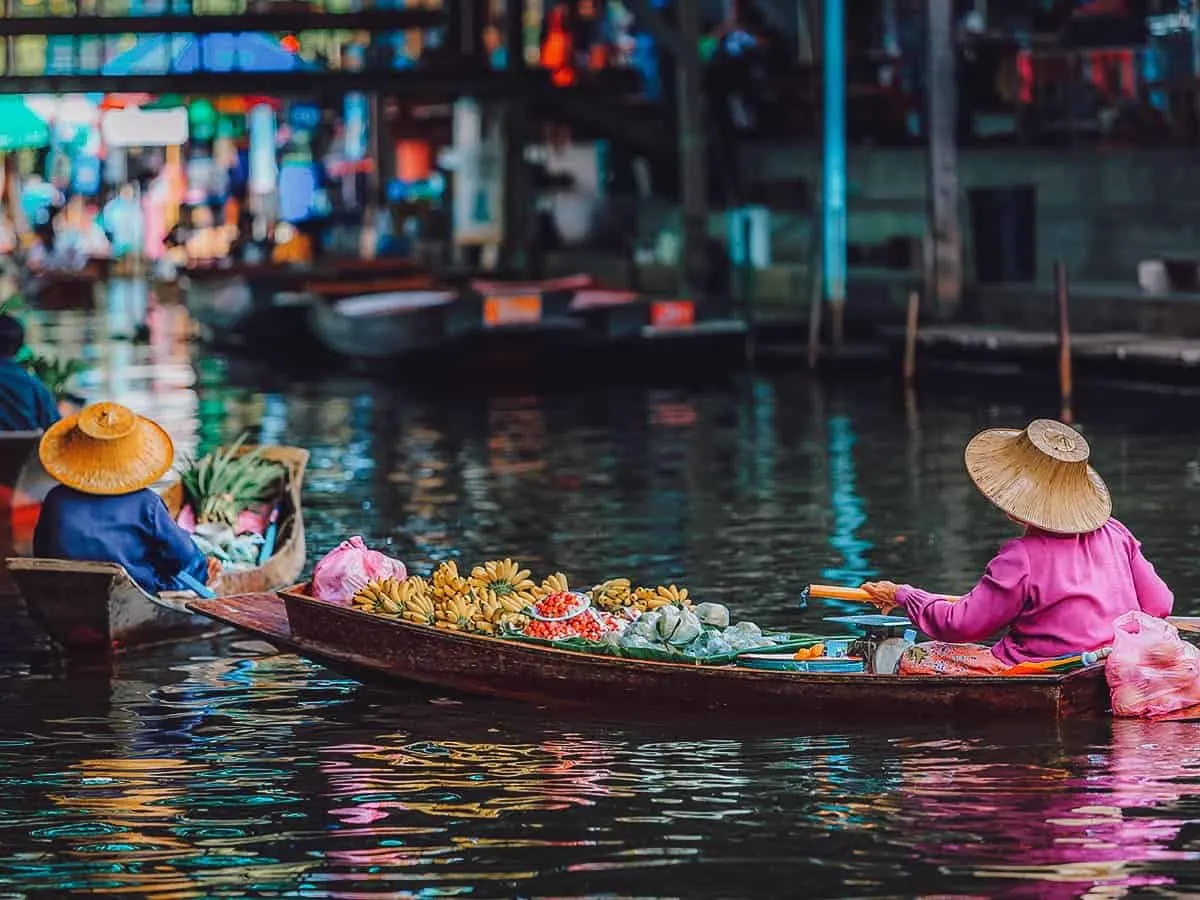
{"x":713,"y":614}
{"x":678,"y":626}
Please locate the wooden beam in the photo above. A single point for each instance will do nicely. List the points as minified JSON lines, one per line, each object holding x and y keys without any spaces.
{"x":693,"y":154}
{"x":418,"y":85}
{"x":371,"y":20}
{"x":944,"y":233}
{"x":518,"y":195}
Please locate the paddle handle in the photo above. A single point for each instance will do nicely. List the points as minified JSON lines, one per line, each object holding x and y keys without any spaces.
{"x":833,"y":592}
{"x":200,"y":589}
{"x":268,"y":545}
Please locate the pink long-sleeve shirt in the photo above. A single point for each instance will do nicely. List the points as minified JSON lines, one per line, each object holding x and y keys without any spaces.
{"x":1056,"y":595}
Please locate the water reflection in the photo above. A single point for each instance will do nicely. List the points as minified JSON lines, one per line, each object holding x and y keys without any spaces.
{"x":225,"y":769}
{"x":848,"y":512}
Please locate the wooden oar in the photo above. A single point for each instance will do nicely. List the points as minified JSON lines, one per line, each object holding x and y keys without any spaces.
{"x":832,"y":592}
{"x":1190,"y":624}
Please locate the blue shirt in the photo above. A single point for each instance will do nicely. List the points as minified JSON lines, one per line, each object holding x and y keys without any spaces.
{"x":134,"y":530}
{"x":25,"y":403}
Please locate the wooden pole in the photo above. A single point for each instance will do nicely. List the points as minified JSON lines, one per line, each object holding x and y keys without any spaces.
{"x":1062,"y":295}
{"x":816,"y":303}
{"x":693,"y":150}
{"x":941,"y":127}
{"x":517,"y":194}
{"x":910,"y":337}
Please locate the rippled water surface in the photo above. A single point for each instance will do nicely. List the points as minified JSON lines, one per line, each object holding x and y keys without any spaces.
{"x":226,"y":770}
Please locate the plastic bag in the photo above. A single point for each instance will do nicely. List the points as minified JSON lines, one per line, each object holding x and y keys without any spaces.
{"x":1152,"y":672}
{"x":744,"y":636}
{"x":348,"y":567}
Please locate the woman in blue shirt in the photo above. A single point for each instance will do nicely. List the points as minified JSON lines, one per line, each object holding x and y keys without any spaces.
{"x":105,"y":459}
{"x":25,"y":403}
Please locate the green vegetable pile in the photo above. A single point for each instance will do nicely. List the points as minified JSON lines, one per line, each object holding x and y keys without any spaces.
{"x":223,"y":483}
{"x":55,"y":374}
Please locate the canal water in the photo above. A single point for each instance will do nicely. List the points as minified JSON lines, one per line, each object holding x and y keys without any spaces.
{"x":223,"y":769}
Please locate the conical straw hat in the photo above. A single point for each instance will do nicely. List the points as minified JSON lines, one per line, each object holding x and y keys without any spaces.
{"x":106,"y":449}
{"x":1040,"y":476}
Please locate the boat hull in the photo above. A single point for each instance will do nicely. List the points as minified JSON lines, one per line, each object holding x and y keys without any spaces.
{"x":371,"y":646}
{"x":382,"y":337}
{"x":89,"y":607}
{"x":96,"y":607}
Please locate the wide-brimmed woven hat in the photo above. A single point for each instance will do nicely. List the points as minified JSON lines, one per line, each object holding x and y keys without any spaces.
{"x":1040,"y":475}
{"x":106,"y":449}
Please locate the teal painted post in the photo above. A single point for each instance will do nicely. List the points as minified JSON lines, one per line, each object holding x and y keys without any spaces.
{"x":833,"y":230}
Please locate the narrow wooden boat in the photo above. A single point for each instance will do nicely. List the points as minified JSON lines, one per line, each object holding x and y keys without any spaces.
{"x":525,"y":304}
{"x":350,"y":287}
{"x":374,"y":648}
{"x":384,"y":325}
{"x":89,"y":606}
{"x":62,"y":290}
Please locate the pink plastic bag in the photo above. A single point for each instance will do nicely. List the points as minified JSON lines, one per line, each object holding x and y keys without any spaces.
{"x":1152,"y":673}
{"x":346,"y":569}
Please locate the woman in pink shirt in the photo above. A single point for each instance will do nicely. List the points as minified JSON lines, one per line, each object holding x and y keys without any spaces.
{"x":1056,"y":589}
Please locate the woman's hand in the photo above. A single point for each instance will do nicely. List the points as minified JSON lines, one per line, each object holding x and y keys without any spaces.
{"x":883,"y":595}
{"x":214,"y":568}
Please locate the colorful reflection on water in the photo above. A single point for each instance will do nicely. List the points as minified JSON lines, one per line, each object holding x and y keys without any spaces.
{"x":225,"y":770}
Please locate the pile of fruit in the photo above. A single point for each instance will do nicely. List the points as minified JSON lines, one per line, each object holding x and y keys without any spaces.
{"x":576,"y":618}
{"x":499,"y":597}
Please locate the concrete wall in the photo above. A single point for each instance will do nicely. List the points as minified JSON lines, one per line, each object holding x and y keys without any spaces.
{"x":1100,"y":211}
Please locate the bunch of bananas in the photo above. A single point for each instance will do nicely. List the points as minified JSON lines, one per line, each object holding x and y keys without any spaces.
{"x":613,"y":595}
{"x":447,"y":583}
{"x":458,"y":613}
{"x":505,"y":582}
{"x":410,"y":599}
{"x":380,"y":597}
{"x":647,"y":599}
{"x":416,"y":596}
{"x":496,"y":596}
{"x":552,"y":584}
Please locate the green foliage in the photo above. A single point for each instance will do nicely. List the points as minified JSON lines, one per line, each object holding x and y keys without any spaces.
{"x":56,"y":374}
{"x":224,"y":482}
{"x":13,"y":305}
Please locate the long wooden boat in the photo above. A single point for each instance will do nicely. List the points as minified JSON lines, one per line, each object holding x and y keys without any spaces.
{"x":374,"y":648}
{"x":58,"y":290}
{"x":90,"y":606}
{"x":544,"y":304}
{"x":383,"y":325}
{"x":339,"y":288}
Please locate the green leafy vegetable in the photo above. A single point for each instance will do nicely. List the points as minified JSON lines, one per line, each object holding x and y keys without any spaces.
{"x":223,"y":483}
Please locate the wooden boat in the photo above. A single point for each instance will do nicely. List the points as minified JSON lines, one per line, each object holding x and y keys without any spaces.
{"x":23,"y":486}
{"x":17,"y":450}
{"x":264,"y":306}
{"x":88,"y":606}
{"x":382,"y":326}
{"x":371,"y":647}
{"x":526,"y":304}
{"x":341,"y":288}
{"x":59,"y":290}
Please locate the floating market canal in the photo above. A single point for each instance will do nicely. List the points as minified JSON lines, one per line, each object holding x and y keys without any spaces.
{"x":222,"y":769}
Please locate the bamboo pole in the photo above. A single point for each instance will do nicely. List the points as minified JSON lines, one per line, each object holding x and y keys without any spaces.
{"x":910,"y":338}
{"x":815,"y":304}
{"x":1062,"y":297}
